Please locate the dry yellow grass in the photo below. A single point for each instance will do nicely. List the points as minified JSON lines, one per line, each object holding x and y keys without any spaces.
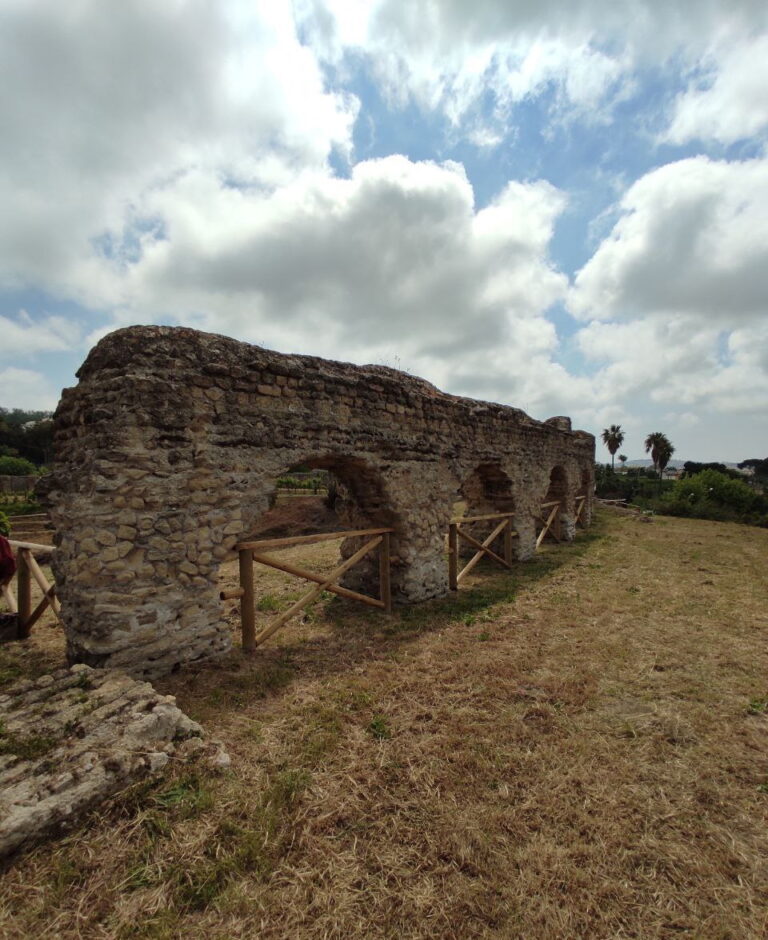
{"x":576,"y":750}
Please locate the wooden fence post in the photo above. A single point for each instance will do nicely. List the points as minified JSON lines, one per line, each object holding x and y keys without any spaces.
{"x":508,"y":542}
{"x":453,"y":556}
{"x":24,"y":592}
{"x":247,"y":600}
{"x":385,"y":585}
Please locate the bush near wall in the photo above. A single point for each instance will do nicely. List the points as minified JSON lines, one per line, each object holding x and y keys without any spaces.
{"x":713,"y":495}
{"x":17,"y":467}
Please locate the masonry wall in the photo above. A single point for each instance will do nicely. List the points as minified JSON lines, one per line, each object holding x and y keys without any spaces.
{"x":168,"y":449}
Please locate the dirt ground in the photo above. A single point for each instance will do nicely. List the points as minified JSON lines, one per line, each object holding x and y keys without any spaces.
{"x":576,"y":749}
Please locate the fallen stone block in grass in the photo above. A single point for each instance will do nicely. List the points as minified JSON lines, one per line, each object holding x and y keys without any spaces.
{"x":71,"y":739}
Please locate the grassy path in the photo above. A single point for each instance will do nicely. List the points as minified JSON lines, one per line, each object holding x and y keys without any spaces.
{"x":579,"y":750}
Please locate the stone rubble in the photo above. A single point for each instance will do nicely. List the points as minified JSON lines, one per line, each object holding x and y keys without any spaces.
{"x":69,"y":740}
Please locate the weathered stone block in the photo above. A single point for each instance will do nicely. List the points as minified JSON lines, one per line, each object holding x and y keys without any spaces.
{"x":69,"y":740}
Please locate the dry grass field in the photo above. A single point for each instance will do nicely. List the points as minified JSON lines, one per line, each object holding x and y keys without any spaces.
{"x":578,"y":749}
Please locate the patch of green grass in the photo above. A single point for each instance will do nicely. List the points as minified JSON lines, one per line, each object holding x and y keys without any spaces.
{"x":198,"y":885}
{"x":240,"y":688}
{"x":67,"y":874}
{"x":20,"y":507}
{"x":757,"y":706}
{"x":189,"y":796}
{"x":267,"y":603}
{"x":284,"y":789}
{"x":379,"y":728}
{"x":235,"y":850}
{"x":354,"y":696}
{"x":322,"y":734}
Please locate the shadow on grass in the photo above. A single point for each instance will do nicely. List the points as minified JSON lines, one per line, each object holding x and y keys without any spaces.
{"x":360,"y":634}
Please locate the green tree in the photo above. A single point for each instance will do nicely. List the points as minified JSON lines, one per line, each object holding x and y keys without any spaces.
{"x":613,"y":438}
{"x":622,"y":460}
{"x":660,"y":449}
{"x":758,"y":466}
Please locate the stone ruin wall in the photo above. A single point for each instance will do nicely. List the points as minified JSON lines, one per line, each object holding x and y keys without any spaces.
{"x":167,"y":453}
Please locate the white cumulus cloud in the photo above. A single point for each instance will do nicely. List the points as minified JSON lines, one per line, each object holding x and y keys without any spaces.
{"x":395,"y":261}
{"x":692,"y":238}
{"x":101,"y":103}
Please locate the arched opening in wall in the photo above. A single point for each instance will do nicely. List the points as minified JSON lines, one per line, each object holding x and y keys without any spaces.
{"x":487,"y":491}
{"x":554,"y":504}
{"x":320,"y":496}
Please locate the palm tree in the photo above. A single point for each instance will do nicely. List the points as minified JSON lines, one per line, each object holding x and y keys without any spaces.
{"x":660,"y":449}
{"x":613,"y":437}
{"x":622,"y":460}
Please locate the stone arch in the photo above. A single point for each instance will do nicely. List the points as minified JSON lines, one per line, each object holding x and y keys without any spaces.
{"x":560,"y":488}
{"x":487,"y":489}
{"x":364,"y":503}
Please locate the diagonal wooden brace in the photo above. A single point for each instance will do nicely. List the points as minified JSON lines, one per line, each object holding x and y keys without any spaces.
{"x":483,"y":549}
{"x":547,"y":525}
{"x":486,"y":551}
{"x":316,"y":591}
{"x":318,"y":579}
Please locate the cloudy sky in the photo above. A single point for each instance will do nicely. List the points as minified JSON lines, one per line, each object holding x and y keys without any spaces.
{"x":560,"y":206}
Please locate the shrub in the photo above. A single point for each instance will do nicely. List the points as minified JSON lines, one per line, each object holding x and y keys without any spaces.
{"x":16,"y":467}
{"x":715,"y":496}
{"x":711,"y":486}
{"x":5,"y":525}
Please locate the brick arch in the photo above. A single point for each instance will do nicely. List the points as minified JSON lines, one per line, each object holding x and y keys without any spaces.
{"x":167,"y":451}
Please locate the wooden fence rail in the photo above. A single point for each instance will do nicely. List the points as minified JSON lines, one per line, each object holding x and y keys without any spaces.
{"x":27,"y":571}
{"x":250,"y":552}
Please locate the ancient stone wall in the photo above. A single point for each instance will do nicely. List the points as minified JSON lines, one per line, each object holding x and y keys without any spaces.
{"x":168,"y":450}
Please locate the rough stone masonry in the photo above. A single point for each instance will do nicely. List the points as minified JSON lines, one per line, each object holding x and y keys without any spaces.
{"x":168,"y":451}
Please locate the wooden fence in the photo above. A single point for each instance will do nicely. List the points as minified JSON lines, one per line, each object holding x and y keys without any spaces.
{"x":27,"y":571}
{"x":250,"y":552}
{"x":456,"y":532}
{"x":581,"y":502}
